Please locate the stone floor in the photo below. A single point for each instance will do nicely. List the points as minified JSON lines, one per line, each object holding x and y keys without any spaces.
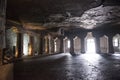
{"x":66,"y":67}
{"x":6,"y":72}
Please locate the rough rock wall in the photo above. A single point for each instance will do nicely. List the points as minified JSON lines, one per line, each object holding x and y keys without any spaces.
{"x":11,"y":40}
{"x":2,"y":25}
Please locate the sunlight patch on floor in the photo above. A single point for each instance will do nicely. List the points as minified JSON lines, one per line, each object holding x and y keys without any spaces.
{"x":92,"y":57}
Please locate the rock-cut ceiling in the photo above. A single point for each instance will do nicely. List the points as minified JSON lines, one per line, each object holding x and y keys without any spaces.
{"x":45,"y":14}
{"x":90,"y":19}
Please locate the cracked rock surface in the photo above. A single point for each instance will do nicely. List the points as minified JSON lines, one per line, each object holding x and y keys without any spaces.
{"x":89,"y":19}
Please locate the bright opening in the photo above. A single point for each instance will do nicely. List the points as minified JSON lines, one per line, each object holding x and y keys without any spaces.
{"x":115,"y":42}
{"x":91,"y":45}
{"x":25,"y":44}
{"x":55,"y":46}
{"x":68,"y":44}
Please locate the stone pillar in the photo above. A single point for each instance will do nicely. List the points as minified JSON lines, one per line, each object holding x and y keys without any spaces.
{"x":2,"y":23}
{"x":97,"y":40}
{"x":110,"y":43}
{"x":31,"y":48}
{"x":19,"y":46}
{"x":2,"y":27}
{"x":46,"y":45}
{"x":72,"y":46}
{"x":52,"y":45}
{"x":49,"y":44}
{"x":61,"y":45}
{"x":41,"y":50}
{"x":82,"y":44}
{"x":43,"y":44}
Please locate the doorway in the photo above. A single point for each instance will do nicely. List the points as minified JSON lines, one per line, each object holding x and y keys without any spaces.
{"x":116,"y":43}
{"x":104,"y":44}
{"x":77,"y":45}
{"x":90,"y":45}
{"x":66,"y":45}
{"x":56,"y":45}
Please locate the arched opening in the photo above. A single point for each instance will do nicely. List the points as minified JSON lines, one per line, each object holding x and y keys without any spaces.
{"x":26,"y":44}
{"x":56,"y":45}
{"x":90,"y":43}
{"x":66,"y":45}
{"x":104,"y":44}
{"x":77,"y":45}
{"x":116,"y":43}
{"x":46,"y":45}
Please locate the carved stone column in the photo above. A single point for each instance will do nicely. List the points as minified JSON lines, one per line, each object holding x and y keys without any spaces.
{"x":46,"y":45}
{"x":97,"y":40}
{"x":31,"y":48}
{"x":61,"y":45}
{"x":41,"y":50}
{"x":72,"y":46}
{"x":49,"y":44}
{"x":82,"y":44}
{"x":52,"y":45}
{"x":19,"y":46}
{"x":110,"y":43}
{"x":2,"y":26}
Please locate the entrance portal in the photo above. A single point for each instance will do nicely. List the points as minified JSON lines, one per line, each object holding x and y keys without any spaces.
{"x":104,"y":44}
{"x":57,"y":45}
{"x":91,"y":45}
{"x":77,"y":45}
{"x":116,"y":43}
{"x":66,"y":45}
